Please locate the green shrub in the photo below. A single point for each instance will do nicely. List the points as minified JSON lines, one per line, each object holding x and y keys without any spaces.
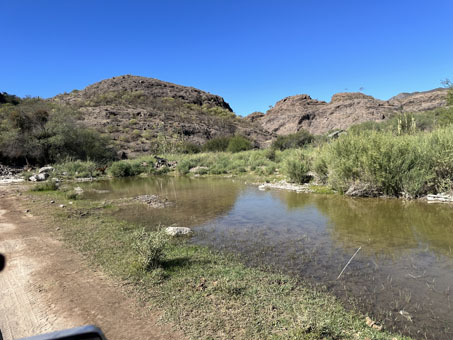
{"x":126,"y":168}
{"x":294,"y":140}
{"x":321,"y":169}
{"x":217,"y":144}
{"x":238,"y":143}
{"x":150,"y":248}
{"x":184,"y":166}
{"x":40,"y":132}
{"x":270,"y":169}
{"x":297,"y":170}
{"x":270,"y":154}
{"x":190,"y":148}
{"x":393,"y":165}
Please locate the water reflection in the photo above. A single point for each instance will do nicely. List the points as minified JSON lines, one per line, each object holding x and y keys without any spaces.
{"x":404,"y":268}
{"x":196,"y":201}
{"x":382,"y":226}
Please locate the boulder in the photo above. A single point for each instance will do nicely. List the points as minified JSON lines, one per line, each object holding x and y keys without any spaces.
{"x":39,"y":177}
{"x":178,"y":231}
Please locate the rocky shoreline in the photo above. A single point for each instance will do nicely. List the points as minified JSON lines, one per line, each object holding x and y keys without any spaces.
{"x":308,"y":188}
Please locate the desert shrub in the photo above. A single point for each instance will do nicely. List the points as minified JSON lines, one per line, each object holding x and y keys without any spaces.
{"x":270,"y":154}
{"x":238,"y":143}
{"x":321,"y":169}
{"x":393,"y":165}
{"x":190,"y":148}
{"x":217,"y":144}
{"x":150,"y":247}
{"x":297,"y":170}
{"x":294,"y":140}
{"x":129,"y":168}
{"x":120,"y":169}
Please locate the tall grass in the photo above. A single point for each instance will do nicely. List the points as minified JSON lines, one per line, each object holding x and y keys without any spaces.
{"x":393,"y":165}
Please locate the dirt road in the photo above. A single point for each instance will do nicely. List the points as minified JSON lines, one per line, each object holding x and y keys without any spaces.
{"x":47,"y":286}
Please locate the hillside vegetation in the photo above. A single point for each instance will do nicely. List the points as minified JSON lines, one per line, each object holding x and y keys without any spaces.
{"x":34,"y":131}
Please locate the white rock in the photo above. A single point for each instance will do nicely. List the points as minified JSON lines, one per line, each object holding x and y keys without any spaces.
{"x":39,"y":177}
{"x":45,"y":169}
{"x":176,"y":231}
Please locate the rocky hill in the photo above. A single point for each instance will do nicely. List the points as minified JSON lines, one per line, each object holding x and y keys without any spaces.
{"x":148,"y":115}
{"x":293,"y":113}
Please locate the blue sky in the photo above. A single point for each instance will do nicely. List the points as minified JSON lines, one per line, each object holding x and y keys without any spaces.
{"x":252,"y":53}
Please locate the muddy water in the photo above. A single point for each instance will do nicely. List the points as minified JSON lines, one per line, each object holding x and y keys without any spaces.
{"x":402,"y":275}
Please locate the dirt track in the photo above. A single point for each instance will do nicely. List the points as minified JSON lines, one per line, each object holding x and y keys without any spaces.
{"x":46,"y":286}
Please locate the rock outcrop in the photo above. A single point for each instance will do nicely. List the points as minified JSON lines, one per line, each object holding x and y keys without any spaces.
{"x":291,"y":114}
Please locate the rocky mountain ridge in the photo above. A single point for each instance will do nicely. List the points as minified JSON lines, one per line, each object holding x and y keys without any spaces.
{"x":146,"y":115}
{"x":293,"y":113}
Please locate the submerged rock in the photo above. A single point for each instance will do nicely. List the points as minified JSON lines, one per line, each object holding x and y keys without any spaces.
{"x":154,"y":201}
{"x":178,"y":231}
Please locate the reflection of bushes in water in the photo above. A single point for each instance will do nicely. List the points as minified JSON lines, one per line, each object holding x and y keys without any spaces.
{"x":386,"y":226}
{"x":197,"y":200}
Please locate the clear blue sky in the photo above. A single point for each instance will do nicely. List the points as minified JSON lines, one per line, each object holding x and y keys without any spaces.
{"x":252,"y":53}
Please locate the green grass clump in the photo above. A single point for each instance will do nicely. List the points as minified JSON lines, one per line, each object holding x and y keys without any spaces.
{"x":46,"y":186}
{"x":150,"y":247}
{"x":77,"y":168}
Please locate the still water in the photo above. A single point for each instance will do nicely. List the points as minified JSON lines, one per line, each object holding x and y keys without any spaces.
{"x":401,"y":277}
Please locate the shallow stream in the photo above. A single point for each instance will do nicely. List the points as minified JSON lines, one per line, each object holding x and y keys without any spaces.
{"x":401,"y":276}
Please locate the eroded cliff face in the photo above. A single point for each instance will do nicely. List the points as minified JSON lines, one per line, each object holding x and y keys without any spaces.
{"x":291,"y":114}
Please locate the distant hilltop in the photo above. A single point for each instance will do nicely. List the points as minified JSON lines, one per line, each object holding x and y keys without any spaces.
{"x":142,"y":114}
{"x":293,"y":113}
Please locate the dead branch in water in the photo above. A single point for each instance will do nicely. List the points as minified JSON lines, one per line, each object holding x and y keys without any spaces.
{"x":347,"y":264}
